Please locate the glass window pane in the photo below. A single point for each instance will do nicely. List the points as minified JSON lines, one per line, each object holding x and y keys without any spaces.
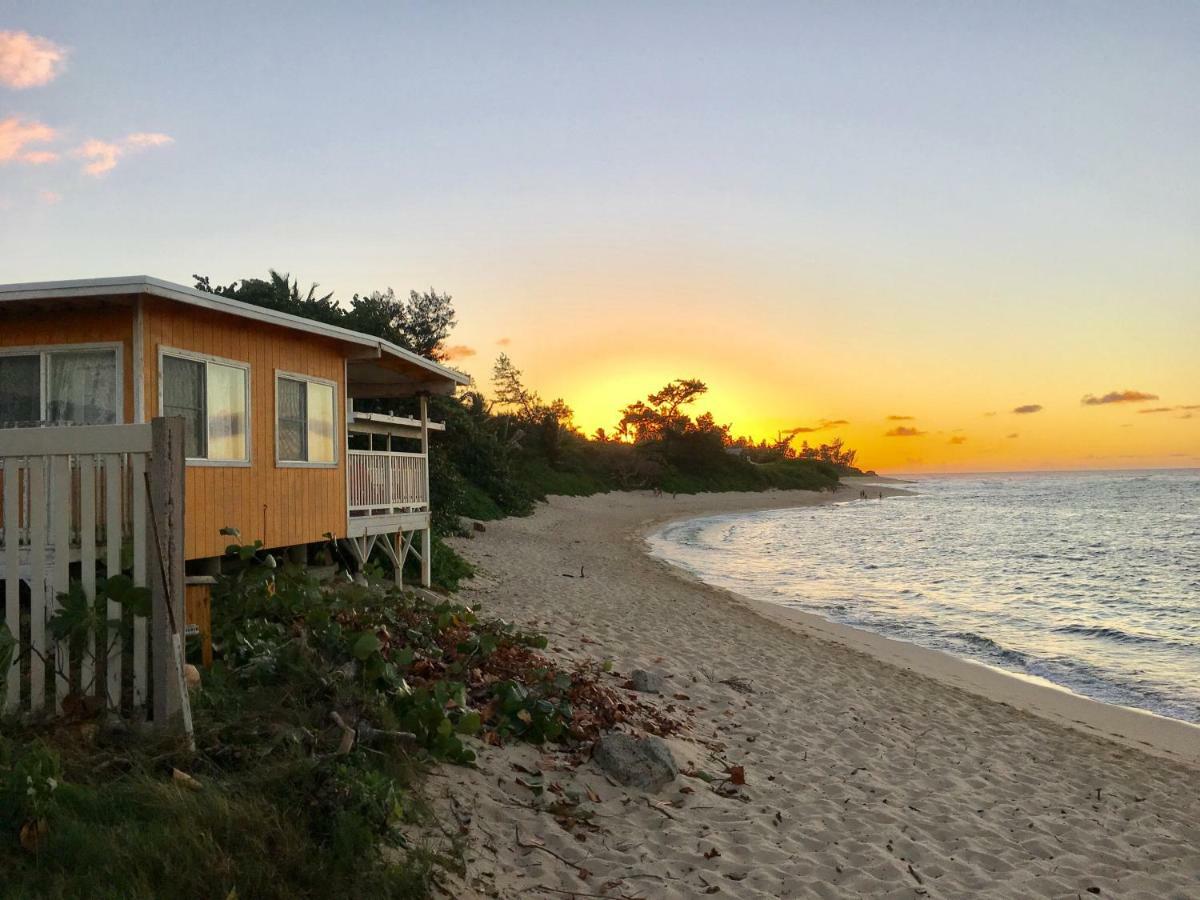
{"x":226,"y":412}
{"x":320,"y":422}
{"x":183,"y":395}
{"x":290,"y":420}
{"x":20,"y":390}
{"x":82,"y":387}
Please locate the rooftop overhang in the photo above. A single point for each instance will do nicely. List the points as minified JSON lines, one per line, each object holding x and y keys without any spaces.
{"x":375,"y":367}
{"x":387,"y":376}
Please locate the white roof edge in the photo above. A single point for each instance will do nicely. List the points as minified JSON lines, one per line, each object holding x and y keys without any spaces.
{"x":157,"y":287}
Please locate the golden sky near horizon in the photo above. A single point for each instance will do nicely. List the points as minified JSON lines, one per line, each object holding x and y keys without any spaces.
{"x":776,"y":358}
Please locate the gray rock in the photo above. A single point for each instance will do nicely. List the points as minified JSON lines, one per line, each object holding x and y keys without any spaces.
{"x":647,"y":682}
{"x":644,"y":763}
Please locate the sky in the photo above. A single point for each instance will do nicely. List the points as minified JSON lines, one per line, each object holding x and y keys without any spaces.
{"x":930,"y":229}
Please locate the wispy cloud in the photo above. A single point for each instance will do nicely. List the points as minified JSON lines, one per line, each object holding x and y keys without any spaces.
{"x":504,"y":341}
{"x":903,"y":431}
{"x":27,"y":61}
{"x":102,"y":156}
{"x":990,"y":414}
{"x":958,"y":439}
{"x":1027,"y":409}
{"x":1013,"y":435}
{"x":50,"y":198}
{"x":900,"y":418}
{"x":16,"y":134}
{"x":1167,"y":409}
{"x":1125,"y":396}
{"x":821,"y":426}
{"x":459,"y":351}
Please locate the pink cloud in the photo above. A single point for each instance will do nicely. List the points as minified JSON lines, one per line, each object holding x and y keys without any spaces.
{"x":140,"y":139}
{"x":50,"y":198}
{"x":103,"y":156}
{"x":16,"y":133}
{"x":27,"y":61}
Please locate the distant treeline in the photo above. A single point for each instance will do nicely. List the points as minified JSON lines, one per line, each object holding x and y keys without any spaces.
{"x":499,"y":457}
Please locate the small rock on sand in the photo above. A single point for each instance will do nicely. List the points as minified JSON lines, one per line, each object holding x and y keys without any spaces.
{"x":647,"y":682}
{"x":645,"y":763}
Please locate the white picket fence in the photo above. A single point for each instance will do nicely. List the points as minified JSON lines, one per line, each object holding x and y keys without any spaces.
{"x":73,"y":498}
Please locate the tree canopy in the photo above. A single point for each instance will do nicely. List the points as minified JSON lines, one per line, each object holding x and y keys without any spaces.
{"x":420,"y":322}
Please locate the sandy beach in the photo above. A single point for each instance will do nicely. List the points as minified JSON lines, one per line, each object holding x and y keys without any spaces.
{"x":872,"y":768}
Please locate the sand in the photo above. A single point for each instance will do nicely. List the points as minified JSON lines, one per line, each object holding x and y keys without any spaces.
{"x":872,"y":768}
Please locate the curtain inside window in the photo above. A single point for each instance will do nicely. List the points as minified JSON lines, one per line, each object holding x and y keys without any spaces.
{"x":290,"y":424}
{"x":82,"y":387}
{"x":320,"y":422}
{"x":226,"y":412}
{"x":20,"y":390}
{"x":183,"y":395}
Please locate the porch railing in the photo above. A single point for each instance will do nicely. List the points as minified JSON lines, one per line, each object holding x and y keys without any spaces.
{"x":384,"y":483}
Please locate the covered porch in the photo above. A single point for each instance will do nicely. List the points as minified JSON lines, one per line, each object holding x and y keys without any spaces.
{"x":387,"y":463}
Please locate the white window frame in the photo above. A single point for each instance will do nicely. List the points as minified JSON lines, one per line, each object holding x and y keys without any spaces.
{"x":42,"y":351}
{"x":205,"y":358}
{"x":305,"y":464}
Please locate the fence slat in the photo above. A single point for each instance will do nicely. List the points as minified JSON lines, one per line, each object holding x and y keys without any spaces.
{"x":37,"y":583}
{"x":60,"y":519}
{"x":12,"y":581}
{"x":137,"y":474}
{"x":113,"y":464}
{"x":87,"y":562}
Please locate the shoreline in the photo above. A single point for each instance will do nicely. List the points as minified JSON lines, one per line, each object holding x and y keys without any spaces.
{"x":1140,"y":729}
{"x":863,"y":776}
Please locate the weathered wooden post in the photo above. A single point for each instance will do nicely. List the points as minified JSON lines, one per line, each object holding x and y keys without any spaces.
{"x":164,"y":528}
{"x":426,"y":532}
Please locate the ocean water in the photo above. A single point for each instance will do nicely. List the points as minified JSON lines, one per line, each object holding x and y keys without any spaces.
{"x":1088,"y":580}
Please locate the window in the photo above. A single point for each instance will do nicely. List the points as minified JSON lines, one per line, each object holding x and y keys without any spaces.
{"x":212,"y":396}
{"x":68,"y":386}
{"x":305,"y":421}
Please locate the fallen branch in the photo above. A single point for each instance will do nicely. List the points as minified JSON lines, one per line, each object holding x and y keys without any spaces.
{"x":537,"y":844}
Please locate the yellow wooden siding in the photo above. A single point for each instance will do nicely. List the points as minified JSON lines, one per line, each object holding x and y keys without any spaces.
{"x":280,"y":506}
{"x":111,"y":324}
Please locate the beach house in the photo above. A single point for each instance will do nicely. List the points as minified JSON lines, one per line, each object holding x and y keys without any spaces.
{"x":273,"y":444}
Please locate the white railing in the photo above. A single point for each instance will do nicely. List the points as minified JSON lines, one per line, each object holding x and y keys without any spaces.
{"x":74,"y":511}
{"x":382,"y":483}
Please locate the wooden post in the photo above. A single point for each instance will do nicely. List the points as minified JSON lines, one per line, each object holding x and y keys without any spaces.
{"x":426,"y":532}
{"x":166,"y":496}
{"x":12,"y":583}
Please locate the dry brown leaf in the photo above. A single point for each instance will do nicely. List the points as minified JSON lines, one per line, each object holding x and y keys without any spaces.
{"x":183,"y":779}
{"x":33,"y":834}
